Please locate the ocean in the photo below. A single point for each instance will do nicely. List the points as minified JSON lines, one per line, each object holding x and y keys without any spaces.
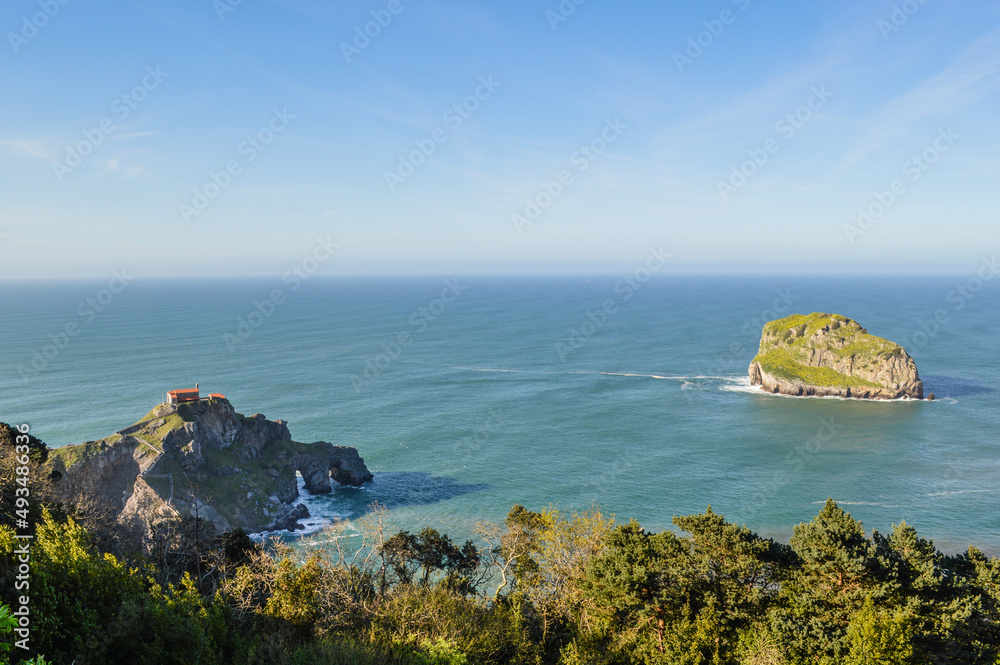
{"x":466,"y":395}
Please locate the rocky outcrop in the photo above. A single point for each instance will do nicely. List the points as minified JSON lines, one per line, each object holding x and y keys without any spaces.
{"x":323,"y":461}
{"x":206,"y":458}
{"x":290,"y":521}
{"x":831,"y":355}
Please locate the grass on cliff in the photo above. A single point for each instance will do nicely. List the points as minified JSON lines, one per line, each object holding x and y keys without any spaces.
{"x":170,"y":422}
{"x":796,"y":332}
{"x":69,"y":456}
{"x":786,"y":343}
{"x":780,"y":364}
{"x":72,"y":455}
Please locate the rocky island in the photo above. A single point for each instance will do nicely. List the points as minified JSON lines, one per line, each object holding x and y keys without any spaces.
{"x":831,"y":355}
{"x":202,"y":457}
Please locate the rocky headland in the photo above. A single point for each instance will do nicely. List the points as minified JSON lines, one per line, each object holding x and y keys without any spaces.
{"x":832,"y":355}
{"x":204,"y":458}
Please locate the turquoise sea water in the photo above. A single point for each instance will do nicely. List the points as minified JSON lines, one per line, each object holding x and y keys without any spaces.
{"x":491,"y":400}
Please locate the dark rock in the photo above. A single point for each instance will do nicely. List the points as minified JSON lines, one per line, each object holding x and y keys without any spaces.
{"x":289,"y":519}
{"x":321,"y":461}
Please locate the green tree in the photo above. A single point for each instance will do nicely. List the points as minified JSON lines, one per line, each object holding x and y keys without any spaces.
{"x":427,"y":553}
{"x":75,"y":593}
{"x":738,"y":569}
{"x":92,"y":608}
{"x":172,"y":625}
{"x":510,"y":547}
{"x":642,"y":581}
{"x":838,"y":570}
{"x":551,"y":576}
{"x":951,"y":601}
{"x":965,"y":626}
{"x":879,"y":637}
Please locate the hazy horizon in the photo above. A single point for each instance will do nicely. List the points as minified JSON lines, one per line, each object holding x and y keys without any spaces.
{"x":664,"y":274}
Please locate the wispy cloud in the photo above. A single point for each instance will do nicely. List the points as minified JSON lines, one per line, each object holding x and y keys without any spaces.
{"x":29,"y":148}
{"x":973,"y":73}
{"x":51,"y":149}
{"x":113,"y":167}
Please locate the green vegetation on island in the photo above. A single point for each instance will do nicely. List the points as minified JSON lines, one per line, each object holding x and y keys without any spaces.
{"x":540,"y":588}
{"x":832,"y":355}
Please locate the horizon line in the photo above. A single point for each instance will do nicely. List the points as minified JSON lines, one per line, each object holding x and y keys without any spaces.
{"x":458,"y":273}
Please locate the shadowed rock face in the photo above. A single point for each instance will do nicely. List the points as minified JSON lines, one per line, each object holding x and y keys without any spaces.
{"x":238,"y":471}
{"x":831,"y":355}
{"x":323,"y":461}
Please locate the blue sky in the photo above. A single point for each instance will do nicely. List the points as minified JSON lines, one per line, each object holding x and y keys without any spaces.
{"x":328,"y":131}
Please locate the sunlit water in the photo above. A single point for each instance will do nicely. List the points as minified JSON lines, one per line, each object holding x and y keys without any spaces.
{"x":489,"y":402}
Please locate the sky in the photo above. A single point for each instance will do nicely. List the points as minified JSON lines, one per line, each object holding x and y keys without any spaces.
{"x":242,"y":137}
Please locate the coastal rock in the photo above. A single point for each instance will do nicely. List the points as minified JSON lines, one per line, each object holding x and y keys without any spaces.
{"x":832,"y":355}
{"x":323,"y":461}
{"x":289,"y":518}
{"x":236,"y":471}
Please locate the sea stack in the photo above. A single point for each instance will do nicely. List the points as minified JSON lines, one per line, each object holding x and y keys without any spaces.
{"x":831,"y":355}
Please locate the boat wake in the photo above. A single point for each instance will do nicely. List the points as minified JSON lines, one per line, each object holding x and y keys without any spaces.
{"x":874,"y":504}
{"x":637,"y":375}
{"x":706,"y":382}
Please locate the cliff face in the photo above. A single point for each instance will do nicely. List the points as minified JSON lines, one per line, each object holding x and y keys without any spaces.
{"x":203,"y":457}
{"x":831,"y":355}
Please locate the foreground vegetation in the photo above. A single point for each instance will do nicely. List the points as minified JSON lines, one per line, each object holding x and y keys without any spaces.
{"x":542,"y":587}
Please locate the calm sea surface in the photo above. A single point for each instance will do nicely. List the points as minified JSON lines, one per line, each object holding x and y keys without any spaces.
{"x":467,"y":397}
